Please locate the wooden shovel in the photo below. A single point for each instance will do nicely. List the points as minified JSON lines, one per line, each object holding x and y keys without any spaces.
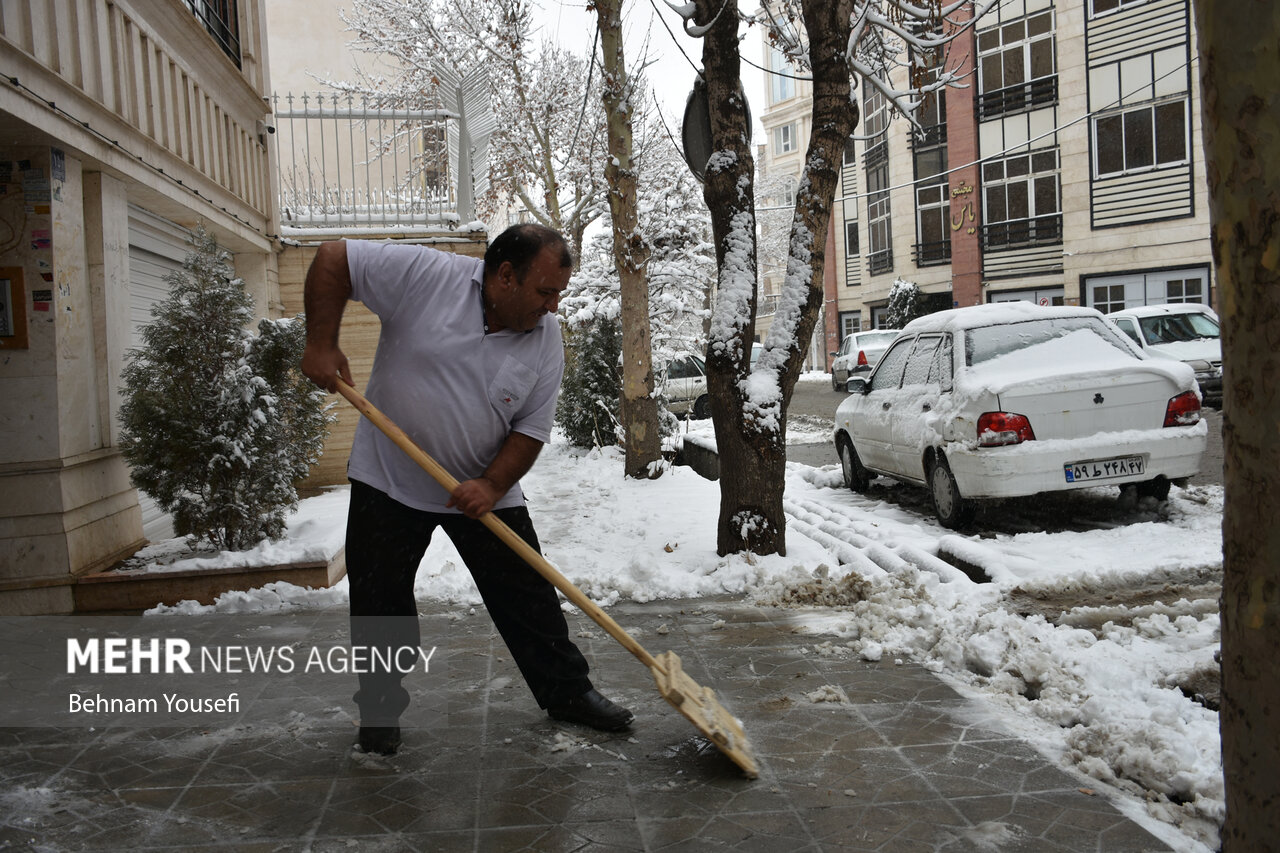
{"x":698,"y":704}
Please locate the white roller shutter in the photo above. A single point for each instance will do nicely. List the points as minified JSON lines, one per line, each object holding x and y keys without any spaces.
{"x":156,"y":248}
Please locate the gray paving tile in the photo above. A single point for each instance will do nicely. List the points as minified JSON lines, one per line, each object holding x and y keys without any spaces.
{"x":888,"y":766}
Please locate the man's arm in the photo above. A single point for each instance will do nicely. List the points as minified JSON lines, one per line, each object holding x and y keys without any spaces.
{"x":516,"y":456}
{"x":324,"y":298}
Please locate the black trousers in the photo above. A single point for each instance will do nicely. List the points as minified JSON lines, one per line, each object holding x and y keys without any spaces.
{"x":385,"y":544}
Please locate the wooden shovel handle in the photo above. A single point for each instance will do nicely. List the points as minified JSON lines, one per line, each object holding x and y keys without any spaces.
{"x":499,"y":527}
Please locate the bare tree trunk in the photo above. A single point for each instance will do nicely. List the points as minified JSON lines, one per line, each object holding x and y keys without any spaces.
{"x":1239,"y":67}
{"x":639,"y":408}
{"x":750,"y":426}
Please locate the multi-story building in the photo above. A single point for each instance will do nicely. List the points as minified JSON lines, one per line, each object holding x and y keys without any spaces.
{"x":1067,"y":171}
{"x":126,"y":125}
{"x":786,"y":120}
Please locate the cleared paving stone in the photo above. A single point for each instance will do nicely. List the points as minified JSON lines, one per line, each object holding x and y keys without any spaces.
{"x":854,"y":755}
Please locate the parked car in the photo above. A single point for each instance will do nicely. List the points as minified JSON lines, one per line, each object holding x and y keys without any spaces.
{"x":1184,"y":331}
{"x":858,"y":353}
{"x":684,"y":385}
{"x":1012,"y":399}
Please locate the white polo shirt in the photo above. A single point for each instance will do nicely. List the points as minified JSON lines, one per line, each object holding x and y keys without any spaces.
{"x":455,"y":390}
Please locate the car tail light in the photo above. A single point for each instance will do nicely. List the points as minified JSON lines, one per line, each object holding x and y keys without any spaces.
{"x":862,"y":359}
{"x":1183,"y":410}
{"x":1000,"y":428}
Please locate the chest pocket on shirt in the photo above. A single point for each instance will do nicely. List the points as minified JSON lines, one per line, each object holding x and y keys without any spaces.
{"x":511,"y":387}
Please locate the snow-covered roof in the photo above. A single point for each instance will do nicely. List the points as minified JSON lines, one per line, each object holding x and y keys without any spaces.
{"x":974,"y":316}
{"x":1174,"y":308}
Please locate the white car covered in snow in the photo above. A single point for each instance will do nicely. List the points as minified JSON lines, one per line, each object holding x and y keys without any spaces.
{"x":1013,"y":399}
{"x":1187,"y":332}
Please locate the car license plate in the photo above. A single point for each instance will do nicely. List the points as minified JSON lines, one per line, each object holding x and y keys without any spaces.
{"x":1104,"y":469}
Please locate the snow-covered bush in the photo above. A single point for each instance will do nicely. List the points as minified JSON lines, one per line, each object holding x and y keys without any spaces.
{"x":587,"y":410}
{"x":218,"y":423}
{"x":906,"y":303}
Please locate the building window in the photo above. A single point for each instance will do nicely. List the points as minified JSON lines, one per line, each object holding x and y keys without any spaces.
{"x":850,"y":322}
{"x":1099,"y":7}
{"x":1143,"y":138}
{"x":222,"y":22}
{"x":1108,"y":298}
{"x":879,"y":225}
{"x":849,"y":157}
{"x":876,"y":159}
{"x":1021,"y":201}
{"x":1185,"y":290}
{"x":1017,"y":66}
{"x":789,"y":191}
{"x":784,"y":139}
{"x":782,"y":84}
{"x":851,"y":239}
{"x":933,"y":207}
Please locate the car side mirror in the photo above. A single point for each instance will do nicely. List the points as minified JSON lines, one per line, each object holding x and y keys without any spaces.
{"x":832,"y":353}
{"x":857,"y":385}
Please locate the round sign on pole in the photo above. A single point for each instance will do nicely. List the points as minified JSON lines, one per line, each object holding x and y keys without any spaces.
{"x":695,"y":133}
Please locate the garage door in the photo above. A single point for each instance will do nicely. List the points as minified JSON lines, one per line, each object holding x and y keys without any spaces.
{"x":156,"y":248}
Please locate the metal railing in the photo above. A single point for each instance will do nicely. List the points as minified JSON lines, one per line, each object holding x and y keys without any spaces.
{"x":880,"y":262}
{"x":222,"y":20}
{"x":1020,"y":233}
{"x":935,"y":252}
{"x":365,"y":162}
{"x":1037,"y":93}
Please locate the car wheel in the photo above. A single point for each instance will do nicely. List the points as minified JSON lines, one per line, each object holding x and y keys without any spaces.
{"x":952,"y":508}
{"x":1157,"y":488}
{"x":856,"y":477}
{"x":702,"y":408}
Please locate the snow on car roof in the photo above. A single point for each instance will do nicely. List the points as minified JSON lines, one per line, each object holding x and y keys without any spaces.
{"x":995,"y":313}
{"x":1172,"y":308}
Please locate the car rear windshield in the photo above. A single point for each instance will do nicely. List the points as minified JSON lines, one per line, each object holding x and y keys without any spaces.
{"x":876,"y":339}
{"x":988,"y":342}
{"x":1172,"y":328}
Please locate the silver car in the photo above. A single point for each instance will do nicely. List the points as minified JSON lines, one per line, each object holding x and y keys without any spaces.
{"x":858,"y":353}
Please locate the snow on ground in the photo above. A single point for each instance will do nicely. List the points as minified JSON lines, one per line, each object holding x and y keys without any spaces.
{"x":1097,"y":683}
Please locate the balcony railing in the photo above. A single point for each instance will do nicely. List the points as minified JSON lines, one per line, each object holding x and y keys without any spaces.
{"x":1021,"y":233}
{"x":880,"y":262}
{"x":348,"y":161}
{"x":222,"y":22}
{"x":929,"y":254}
{"x":1014,"y":99}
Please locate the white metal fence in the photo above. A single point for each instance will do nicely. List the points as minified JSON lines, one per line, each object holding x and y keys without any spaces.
{"x":365,"y":162}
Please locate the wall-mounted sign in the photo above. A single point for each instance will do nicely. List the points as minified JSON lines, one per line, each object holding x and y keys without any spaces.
{"x":13,"y":309}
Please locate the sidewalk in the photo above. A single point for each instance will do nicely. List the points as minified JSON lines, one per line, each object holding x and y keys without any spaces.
{"x":892,"y":769}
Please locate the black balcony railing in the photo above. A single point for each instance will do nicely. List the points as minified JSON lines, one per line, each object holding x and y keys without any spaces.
{"x":1020,"y":233}
{"x":220,"y":19}
{"x":928,"y":254}
{"x":1013,"y":99}
{"x":879,"y":262}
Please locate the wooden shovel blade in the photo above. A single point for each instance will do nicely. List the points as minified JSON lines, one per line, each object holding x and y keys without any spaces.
{"x":699,"y":706}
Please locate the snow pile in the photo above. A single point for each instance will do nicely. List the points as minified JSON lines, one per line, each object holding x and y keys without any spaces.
{"x":1096,"y":645}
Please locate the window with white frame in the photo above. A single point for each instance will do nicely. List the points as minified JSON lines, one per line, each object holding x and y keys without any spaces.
{"x":876,"y":158}
{"x":1021,"y":200}
{"x":789,"y":191}
{"x":933,"y":207}
{"x":851,"y":238}
{"x":1108,"y":297}
{"x":784,"y":138}
{"x":1142,"y":138}
{"x":782,"y":84}
{"x":1017,"y":65}
{"x":1189,"y":289}
{"x":879,"y":224}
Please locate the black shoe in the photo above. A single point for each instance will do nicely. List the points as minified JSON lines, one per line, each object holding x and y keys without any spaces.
{"x":592,"y":709}
{"x":380,"y":740}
